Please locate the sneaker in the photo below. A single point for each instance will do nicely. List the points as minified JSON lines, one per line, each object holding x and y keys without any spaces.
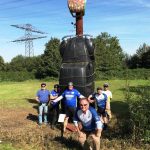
{"x":45,"y":123}
{"x":40,"y":124}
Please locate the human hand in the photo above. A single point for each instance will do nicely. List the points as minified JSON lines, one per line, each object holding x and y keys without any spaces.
{"x":53,"y":103}
{"x":80,"y":134}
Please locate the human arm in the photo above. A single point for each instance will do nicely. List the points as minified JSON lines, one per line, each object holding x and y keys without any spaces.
{"x":58,"y":99}
{"x":37,"y":96}
{"x":107,"y":105}
{"x":90,"y":99}
{"x":81,"y":96}
{"x":53,"y":97}
{"x":108,"y":108}
{"x":77,"y":123}
{"x":78,"y":94}
{"x":37,"y":99}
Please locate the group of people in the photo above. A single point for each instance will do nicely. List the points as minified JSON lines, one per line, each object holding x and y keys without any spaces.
{"x":88,"y":119}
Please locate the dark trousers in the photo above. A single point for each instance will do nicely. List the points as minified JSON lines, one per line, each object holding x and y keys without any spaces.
{"x":54,"y":112}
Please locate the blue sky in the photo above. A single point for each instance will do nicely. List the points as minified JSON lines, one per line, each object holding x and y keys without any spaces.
{"x":129,"y":20}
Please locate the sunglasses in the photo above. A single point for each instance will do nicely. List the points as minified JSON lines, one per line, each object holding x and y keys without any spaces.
{"x":83,"y":105}
{"x":43,"y":86}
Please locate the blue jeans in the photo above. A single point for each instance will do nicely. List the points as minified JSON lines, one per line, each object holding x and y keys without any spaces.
{"x":41,"y":107}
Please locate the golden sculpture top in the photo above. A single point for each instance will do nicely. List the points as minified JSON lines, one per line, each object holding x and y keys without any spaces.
{"x":76,"y":6}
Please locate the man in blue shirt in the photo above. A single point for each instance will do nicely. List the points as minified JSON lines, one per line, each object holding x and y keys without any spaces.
{"x":102,"y":102}
{"x":42,"y":97}
{"x":88,"y":123}
{"x":70,"y":96}
{"x":54,"y":109}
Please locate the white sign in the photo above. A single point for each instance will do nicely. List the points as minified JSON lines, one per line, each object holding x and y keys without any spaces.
{"x":61,"y":117}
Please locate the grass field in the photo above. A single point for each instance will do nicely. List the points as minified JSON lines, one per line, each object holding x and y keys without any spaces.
{"x":17,"y":105}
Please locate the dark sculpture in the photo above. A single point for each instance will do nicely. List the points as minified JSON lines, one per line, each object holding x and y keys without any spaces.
{"x":77,"y":63}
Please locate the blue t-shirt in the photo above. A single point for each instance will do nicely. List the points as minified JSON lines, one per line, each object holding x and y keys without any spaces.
{"x":54,"y":93}
{"x":101,"y":99}
{"x":70,"y":97}
{"x":90,"y":121}
{"x":43,"y":96}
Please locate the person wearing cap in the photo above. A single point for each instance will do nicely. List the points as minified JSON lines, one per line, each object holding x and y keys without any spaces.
{"x":109,"y":96}
{"x":70,"y":96}
{"x":88,"y":123}
{"x":54,"y":108}
{"x":42,"y":97}
{"x":101,"y":100}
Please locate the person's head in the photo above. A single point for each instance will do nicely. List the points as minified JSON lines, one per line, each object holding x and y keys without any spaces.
{"x":70,"y":85}
{"x":56,"y":87}
{"x":106,"y":86}
{"x":99,"y":90}
{"x":84,"y":104}
{"x":43,"y":86}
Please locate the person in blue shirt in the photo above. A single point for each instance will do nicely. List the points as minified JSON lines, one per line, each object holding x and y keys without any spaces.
{"x":70,"y":96}
{"x":54,"y":109}
{"x":102,"y":102}
{"x":88,"y":123}
{"x":42,"y":97}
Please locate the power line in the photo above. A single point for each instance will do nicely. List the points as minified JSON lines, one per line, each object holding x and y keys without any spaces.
{"x":28,"y":38}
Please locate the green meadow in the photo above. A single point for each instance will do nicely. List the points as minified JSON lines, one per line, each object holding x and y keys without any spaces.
{"x":16,"y":96}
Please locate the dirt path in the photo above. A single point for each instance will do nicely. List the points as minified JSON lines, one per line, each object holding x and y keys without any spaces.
{"x":19,"y":126}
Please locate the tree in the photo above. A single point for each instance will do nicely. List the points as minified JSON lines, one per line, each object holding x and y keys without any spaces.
{"x":134,"y":62}
{"x":141,"y":59}
{"x":50,"y":61}
{"x":2,"y":64}
{"x":108,"y":53}
{"x":145,"y":59}
{"x":22,"y":63}
{"x":17,"y":63}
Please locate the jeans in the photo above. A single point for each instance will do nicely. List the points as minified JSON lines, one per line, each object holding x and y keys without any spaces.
{"x":41,"y":107}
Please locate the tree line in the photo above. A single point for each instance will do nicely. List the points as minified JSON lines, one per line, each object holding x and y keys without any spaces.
{"x":110,"y":61}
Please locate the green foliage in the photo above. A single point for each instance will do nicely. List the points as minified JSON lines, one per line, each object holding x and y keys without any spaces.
{"x":49,"y":63}
{"x":16,"y":76}
{"x":2,"y":64}
{"x":124,"y":74}
{"x":108,"y":53}
{"x":139,"y":110}
{"x":22,"y":63}
{"x":141,"y":59}
{"x":7,"y":147}
{"x":110,"y":62}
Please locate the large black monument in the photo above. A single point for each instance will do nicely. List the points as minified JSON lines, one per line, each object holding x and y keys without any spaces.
{"x":77,"y":54}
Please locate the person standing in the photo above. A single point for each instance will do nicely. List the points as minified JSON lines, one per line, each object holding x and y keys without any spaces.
{"x":70,"y":96}
{"x":101,"y":100}
{"x":42,"y":97}
{"x":88,"y":123}
{"x":109,"y":96}
{"x":54,"y":108}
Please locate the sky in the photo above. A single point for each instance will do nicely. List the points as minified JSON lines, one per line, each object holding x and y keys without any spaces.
{"x":128,"y":20}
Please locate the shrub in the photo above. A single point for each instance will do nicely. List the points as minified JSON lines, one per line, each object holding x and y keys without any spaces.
{"x":123,"y":74}
{"x":139,"y":110}
{"x":16,"y":76}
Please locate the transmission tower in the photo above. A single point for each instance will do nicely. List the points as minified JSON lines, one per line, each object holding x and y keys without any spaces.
{"x":28,"y":38}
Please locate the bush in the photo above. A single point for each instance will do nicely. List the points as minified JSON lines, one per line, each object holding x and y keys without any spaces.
{"x":139,"y":110}
{"x":123,"y":74}
{"x":16,"y":76}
